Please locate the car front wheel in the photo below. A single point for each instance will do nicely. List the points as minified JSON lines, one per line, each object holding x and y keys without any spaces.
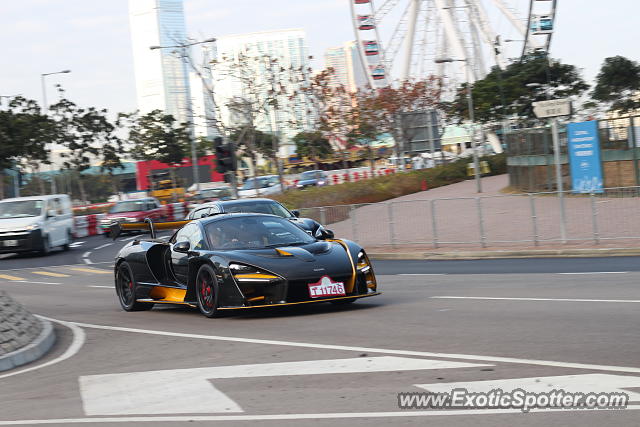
{"x":207,"y":291}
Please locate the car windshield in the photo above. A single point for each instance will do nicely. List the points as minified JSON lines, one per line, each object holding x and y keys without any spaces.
{"x":250,"y":184}
{"x":129,"y":206}
{"x":21,"y":208}
{"x":265,"y":207}
{"x":255,"y":232}
{"x":311,"y":175}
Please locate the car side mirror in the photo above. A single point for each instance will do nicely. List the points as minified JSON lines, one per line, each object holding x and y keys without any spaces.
{"x":182,"y":247}
{"x":296,"y":213}
{"x":324,"y":234}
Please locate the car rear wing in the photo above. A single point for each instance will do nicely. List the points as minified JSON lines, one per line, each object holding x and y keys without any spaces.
{"x":148,"y":225}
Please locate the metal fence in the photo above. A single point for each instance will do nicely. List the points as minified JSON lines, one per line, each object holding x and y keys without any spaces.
{"x":534,"y":219}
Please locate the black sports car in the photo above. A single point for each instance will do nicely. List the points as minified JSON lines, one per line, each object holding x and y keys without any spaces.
{"x":265,"y":206}
{"x":239,"y":261}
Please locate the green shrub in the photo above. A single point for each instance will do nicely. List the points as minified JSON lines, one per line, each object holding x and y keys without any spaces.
{"x":385,"y":187}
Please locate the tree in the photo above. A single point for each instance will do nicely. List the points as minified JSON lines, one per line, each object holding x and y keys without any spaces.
{"x":83,"y":132}
{"x":313,"y":145}
{"x":513,"y":90}
{"x":158,"y":136}
{"x":618,"y":84}
{"x":24,"y":133}
{"x":387,"y":109}
{"x":110,"y":155}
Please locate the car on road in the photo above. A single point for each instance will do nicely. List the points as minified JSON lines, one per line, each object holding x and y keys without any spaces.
{"x":265,"y":206}
{"x":313,"y":178}
{"x":260,"y":186}
{"x":37,"y":223}
{"x":133,"y":211}
{"x":234,"y":262}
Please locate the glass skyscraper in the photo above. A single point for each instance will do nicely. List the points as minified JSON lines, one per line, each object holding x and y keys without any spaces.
{"x":162,"y":77}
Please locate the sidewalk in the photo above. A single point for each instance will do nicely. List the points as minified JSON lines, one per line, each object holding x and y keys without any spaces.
{"x":492,"y":224}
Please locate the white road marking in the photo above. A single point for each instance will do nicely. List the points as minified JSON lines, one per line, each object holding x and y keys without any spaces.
{"x":79,"y":337}
{"x":85,"y":257}
{"x":102,"y":246}
{"x":189,"y":391}
{"x":498,"y":359}
{"x":586,"y":383}
{"x":634,"y":301}
{"x":3,"y":256}
{"x":75,"y":244}
{"x":37,"y":283}
{"x":129,"y":238}
{"x":598,"y":272}
{"x":284,"y":417}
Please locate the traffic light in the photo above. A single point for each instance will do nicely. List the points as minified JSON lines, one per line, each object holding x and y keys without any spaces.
{"x":225,"y":156}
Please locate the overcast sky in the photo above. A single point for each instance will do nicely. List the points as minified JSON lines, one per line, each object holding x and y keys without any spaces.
{"x":92,"y":38}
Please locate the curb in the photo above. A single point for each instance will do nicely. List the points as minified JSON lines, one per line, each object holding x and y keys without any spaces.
{"x":536,"y":253}
{"x":38,"y":348}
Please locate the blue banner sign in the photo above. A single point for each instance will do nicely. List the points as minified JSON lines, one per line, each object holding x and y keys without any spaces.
{"x":584,"y":157}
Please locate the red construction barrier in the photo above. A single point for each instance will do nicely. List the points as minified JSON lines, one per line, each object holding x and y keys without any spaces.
{"x":169,"y":211}
{"x":92,"y":225}
{"x":335,"y":178}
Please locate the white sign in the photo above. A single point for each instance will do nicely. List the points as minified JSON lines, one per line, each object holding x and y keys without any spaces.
{"x":552,"y":108}
{"x":189,"y":391}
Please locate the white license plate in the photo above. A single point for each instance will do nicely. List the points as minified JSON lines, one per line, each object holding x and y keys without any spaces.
{"x":326,"y":287}
{"x":10,"y":243}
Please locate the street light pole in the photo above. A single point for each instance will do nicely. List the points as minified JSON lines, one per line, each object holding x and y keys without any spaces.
{"x":185,"y":59}
{"x":474,"y":147}
{"x":45,"y":106}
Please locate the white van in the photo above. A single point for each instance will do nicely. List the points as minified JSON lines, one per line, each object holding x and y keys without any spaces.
{"x":36,"y":223}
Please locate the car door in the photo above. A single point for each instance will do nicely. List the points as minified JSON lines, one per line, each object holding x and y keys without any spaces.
{"x":180,"y":261}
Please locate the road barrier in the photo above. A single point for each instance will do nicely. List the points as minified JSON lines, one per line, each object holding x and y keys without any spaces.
{"x":87,"y":225}
{"x":503,"y":220}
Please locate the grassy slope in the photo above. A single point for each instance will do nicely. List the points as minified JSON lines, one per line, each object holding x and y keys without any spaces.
{"x":385,"y":187}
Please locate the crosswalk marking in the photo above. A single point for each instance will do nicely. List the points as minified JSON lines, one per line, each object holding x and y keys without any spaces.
{"x":91,"y":270}
{"x":9,"y":277}
{"x":49,"y":273}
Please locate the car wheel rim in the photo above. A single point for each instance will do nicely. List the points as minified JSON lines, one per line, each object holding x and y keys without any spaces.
{"x":206,"y":292}
{"x":125,"y":286}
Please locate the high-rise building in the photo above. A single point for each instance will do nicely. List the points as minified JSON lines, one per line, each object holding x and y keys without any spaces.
{"x":347,"y":66}
{"x":289,"y":48}
{"x":162,"y":78}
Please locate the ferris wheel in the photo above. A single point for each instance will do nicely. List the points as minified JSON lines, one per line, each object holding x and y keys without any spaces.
{"x":402,"y":39}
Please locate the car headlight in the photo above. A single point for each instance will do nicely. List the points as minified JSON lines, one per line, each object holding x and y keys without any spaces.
{"x":364,"y":267}
{"x":246,"y":273}
{"x":363,"y":263}
{"x":32,"y":227}
{"x":321,"y":182}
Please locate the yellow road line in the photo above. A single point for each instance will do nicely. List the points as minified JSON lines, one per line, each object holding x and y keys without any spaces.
{"x":91,"y":270}
{"x":49,"y":273}
{"x":8,"y":277}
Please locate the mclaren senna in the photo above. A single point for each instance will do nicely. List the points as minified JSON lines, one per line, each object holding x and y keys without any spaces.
{"x":240,"y":261}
